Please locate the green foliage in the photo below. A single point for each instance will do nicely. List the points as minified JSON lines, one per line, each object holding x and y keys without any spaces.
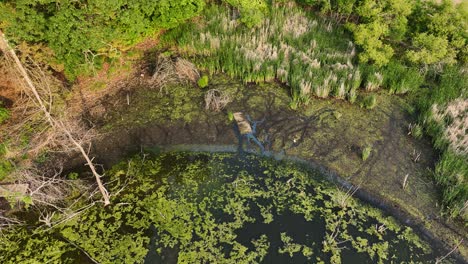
{"x":82,"y":35}
{"x":435,"y":32}
{"x":439,"y":32}
{"x":252,"y":11}
{"x":366,"y":153}
{"x":401,"y":79}
{"x":369,"y":102}
{"x":203,"y":81}
{"x":4,"y":114}
{"x":451,"y":171}
{"x":369,"y":36}
{"x":380,"y":20}
{"x":429,"y":49}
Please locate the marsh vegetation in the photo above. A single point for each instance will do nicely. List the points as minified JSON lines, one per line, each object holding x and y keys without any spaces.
{"x":360,"y":86}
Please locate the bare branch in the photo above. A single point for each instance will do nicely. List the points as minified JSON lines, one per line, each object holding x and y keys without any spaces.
{"x":41,"y":84}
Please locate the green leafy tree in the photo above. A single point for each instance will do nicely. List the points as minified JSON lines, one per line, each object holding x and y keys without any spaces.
{"x":370,"y":38}
{"x":85,"y":33}
{"x":441,"y":36}
{"x":252,"y":11}
{"x":379,"y":22}
{"x":430,"y":49}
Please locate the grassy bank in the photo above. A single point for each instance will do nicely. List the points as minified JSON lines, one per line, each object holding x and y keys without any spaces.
{"x":444,"y":115}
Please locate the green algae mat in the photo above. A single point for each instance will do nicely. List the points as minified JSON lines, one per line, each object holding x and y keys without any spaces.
{"x":221,"y":208}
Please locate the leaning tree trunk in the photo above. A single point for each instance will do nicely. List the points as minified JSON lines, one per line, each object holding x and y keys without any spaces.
{"x":54,"y":123}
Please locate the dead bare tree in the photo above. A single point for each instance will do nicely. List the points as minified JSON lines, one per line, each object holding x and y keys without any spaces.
{"x":32,"y":88}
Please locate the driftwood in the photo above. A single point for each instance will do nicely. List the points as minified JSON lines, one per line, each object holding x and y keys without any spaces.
{"x":242,"y":123}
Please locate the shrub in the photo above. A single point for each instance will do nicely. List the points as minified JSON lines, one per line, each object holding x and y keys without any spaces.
{"x":366,"y":153}
{"x":252,"y":12}
{"x":203,"y":81}
{"x":369,"y":102}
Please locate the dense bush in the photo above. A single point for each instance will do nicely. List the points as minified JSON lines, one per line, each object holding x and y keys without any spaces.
{"x":428,"y":32}
{"x":82,"y":34}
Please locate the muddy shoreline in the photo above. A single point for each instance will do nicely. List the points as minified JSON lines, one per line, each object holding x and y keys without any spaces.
{"x":114,"y":147}
{"x":328,"y":135}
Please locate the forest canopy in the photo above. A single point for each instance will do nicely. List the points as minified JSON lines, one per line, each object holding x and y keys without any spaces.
{"x":81,"y":34}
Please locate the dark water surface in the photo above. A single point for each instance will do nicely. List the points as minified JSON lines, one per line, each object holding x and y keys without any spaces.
{"x":358,"y":222}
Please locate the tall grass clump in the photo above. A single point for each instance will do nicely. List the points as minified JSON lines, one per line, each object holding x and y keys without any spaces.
{"x":401,"y":79}
{"x":309,"y":53}
{"x":369,"y":102}
{"x":444,"y":115}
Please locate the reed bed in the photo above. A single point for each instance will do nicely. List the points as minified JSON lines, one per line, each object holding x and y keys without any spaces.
{"x":310,"y":54}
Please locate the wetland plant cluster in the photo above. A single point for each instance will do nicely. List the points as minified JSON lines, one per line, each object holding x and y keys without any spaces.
{"x":315,"y":55}
{"x":219,"y":208}
{"x":312,"y":54}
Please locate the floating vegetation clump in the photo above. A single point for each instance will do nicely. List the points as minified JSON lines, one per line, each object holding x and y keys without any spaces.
{"x":311,"y":54}
{"x":221,"y":208}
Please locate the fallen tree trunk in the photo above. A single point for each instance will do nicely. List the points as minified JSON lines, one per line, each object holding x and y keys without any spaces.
{"x":30,"y":86}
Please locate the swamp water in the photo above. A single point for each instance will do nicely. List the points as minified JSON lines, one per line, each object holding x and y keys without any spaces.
{"x":187,"y":207}
{"x":226,"y":208}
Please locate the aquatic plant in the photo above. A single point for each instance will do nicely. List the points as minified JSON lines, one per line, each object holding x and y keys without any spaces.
{"x":203,"y":81}
{"x":366,"y":151}
{"x":218,"y":208}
